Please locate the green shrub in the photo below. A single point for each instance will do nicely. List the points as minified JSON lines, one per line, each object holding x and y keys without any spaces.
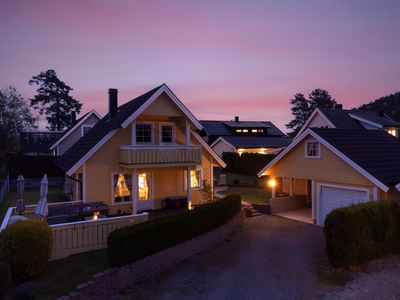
{"x":26,"y":246}
{"x":5,"y":275}
{"x":131,"y":243}
{"x":359,"y":233}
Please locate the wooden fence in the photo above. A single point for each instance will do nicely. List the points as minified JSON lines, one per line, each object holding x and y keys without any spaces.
{"x":5,"y":187}
{"x":78,"y":237}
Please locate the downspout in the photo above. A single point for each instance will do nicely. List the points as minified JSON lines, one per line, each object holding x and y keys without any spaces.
{"x":80,"y":183}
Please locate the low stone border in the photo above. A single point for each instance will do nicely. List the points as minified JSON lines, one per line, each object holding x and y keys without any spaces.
{"x":107,"y":284}
{"x":262,"y":208}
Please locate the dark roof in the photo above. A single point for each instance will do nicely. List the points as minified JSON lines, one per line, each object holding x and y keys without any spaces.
{"x":37,"y":140}
{"x":100,"y":130}
{"x":376,"y":151}
{"x":66,"y":131}
{"x":258,"y":141}
{"x":245,"y":124}
{"x":341,"y":118}
{"x":221,"y":128}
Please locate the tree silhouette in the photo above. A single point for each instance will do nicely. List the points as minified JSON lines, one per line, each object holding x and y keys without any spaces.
{"x":15,"y":115}
{"x":303,"y":108}
{"x":54,"y":100}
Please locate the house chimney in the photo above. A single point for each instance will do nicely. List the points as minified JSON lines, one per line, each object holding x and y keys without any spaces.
{"x":339,"y":106}
{"x":112,"y":103}
{"x":73,"y":117}
{"x":380,"y":113}
{"x":237,"y":119}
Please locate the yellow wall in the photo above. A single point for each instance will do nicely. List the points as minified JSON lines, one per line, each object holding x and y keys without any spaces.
{"x":329,"y":167}
{"x":166,"y":182}
{"x":163,"y":106}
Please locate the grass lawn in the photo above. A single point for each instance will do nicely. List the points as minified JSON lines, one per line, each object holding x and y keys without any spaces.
{"x":243,"y":179}
{"x":60,"y":277}
{"x":31,"y":197}
{"x":250,"y":194}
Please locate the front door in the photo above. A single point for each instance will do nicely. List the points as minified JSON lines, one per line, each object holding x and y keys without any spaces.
{"x":145,"y":192}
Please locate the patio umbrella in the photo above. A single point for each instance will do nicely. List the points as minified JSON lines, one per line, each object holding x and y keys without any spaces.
{"x":20,"y":193}
{"x":41,"y":209}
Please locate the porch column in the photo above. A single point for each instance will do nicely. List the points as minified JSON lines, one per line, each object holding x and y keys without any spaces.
{"x":134,"y":133}
{"x":291,"y":186}
{"x":188,"y":187}
{"x":273,"y":189}
{"x":187,"y":133}
{"x":212,"y":177}
{"x":134,"y":191}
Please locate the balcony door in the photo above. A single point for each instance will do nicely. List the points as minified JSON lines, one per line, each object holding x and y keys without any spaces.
{"x":145,"y":186}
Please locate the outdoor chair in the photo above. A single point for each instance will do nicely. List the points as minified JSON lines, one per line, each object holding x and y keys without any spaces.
{"x":222,"y":180}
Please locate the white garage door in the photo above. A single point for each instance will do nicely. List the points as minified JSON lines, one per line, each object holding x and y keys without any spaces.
{"x":333,"y":197}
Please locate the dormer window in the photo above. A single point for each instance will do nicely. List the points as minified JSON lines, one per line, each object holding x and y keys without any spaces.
{"x":260,"y":130}
{"x":254,"y":130}
{"x":313,"y":149}
{"x":245,"y":130}
{"x":393,"y":132}
{"x":238,"y":130}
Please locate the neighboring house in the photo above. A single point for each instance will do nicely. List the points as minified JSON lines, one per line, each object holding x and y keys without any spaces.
{"x":74,"y":132}
{"x":141,"y":153}
{"x":37,"y":142}
{"x":244,"y":136}
{"x":338,"y":167}
{"x":350,"y":119}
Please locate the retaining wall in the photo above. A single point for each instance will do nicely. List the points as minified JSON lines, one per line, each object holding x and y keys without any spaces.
{"x":107,"y":284}
{"x":287,"y":203}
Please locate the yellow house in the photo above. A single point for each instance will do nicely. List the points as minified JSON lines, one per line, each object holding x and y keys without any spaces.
{"x":331,"y":168}
{"x":140,"y":154}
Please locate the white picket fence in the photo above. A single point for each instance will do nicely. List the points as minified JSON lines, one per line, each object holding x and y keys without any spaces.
{"x":78,"y":237}
{"x":5,"y":188}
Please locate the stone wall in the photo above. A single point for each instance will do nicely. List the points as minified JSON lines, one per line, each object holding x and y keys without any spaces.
{"x":107,"y":284}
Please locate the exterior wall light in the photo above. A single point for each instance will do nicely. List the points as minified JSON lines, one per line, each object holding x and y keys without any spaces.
{"x":272,"y":183}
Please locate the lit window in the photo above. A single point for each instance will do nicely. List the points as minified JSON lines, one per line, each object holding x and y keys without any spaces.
{"x":238,"y":130}
{"x":313,"y":149}
{"x":122,"y":186}
{"x":260,"y":130}
{"x":393,"y":132}
{"x":254,"y":130}
{"x":196,"y":179}
{"x":144,"y":133}
{"x":143,"y":186}
{"x":245,"y":130}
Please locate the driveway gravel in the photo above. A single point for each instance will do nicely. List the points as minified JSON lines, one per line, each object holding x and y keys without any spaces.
{"x":269,"y":257}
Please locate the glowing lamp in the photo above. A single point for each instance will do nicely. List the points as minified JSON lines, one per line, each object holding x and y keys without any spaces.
{"x":272,"y":183}
{"x":190,"y":205}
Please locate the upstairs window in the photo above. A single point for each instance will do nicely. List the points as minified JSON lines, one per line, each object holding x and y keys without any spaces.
{"x":245,"y":130}
{"x":167,"y":133}
{"x":144,"y":133}
{"x":313,"y":149}
{"x":238,"y":130}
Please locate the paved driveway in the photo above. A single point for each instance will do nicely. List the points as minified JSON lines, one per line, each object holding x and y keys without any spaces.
{"x":268,"y":258}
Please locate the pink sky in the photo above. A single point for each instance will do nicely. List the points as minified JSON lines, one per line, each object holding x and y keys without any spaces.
{"x":221,"y":58}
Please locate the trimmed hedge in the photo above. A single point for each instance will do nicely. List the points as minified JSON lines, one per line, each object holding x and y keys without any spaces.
{"x":131,"y":243}
{"x":247,"y":163}
{"x":359,"y":233}
{"x":26,"y":246}
{"x":33,"y":166}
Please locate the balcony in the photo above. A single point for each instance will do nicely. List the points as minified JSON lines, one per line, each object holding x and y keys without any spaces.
{"x":146,"y":156}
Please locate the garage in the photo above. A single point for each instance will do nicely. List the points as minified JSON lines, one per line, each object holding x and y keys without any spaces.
{"x":335,"y":197}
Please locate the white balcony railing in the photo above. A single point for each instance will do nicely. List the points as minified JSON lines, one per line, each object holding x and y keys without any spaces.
{"x":142,"y":155}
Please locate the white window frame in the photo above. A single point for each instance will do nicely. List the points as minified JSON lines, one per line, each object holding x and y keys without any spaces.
{"x":85,"y":126}
{"x":152,"y":133}
{"x":112,"y":188}
{"x":201,"y":180}
{"x":160,"y":125}
{"x":307,"y":142}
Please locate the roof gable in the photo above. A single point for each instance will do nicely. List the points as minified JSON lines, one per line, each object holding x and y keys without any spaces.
{"x":361,"y":149}
{"x":75,"y":126}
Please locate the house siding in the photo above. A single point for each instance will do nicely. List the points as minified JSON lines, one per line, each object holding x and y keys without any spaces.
{"x":318,"y":121}
{"x":163,"y":106}
{"x":74,"y":136}
{"x":222,"y":147}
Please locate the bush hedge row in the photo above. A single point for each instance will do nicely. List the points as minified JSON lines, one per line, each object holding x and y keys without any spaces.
{"x":33,"y":166}
{"x":359,"y":233}
{"x":26,"y":246}
{"x":131,"y":243}
{"x":247,"y":163}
